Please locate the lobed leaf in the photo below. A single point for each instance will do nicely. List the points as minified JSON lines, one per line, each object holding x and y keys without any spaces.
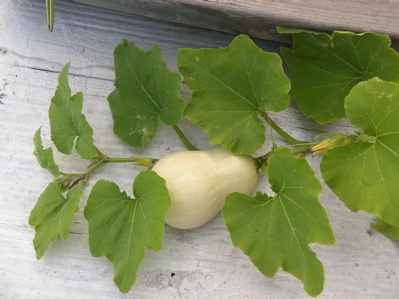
{"x":275,"y":231}
{"x":67,"y":121}
{"x":324,"y":68}
{"x":45,"y":157}
{"x":144,"y":90}
{"x":230,"y":86}
{"x":52,"y":216}
{"x":365,"y":175}
{"x":120,"y":227}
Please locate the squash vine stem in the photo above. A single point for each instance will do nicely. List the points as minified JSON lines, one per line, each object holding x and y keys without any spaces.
{"x":291,"y":140}
{"x":184,"y":139}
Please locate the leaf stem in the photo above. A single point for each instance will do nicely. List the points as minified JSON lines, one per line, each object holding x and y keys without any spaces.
{"x":50,"y":14}
{"x":100,"y":154}
{"x":72,"y":174}
{"x":99,"y":162}
{"x":94,"y":168}
{"x":280,"y":131}
{"x":146,"y":162}
{"x":184,"y":139}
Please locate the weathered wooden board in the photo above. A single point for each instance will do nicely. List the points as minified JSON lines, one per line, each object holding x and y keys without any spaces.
{"x":258,"y":18}
{"x":363,"y":263}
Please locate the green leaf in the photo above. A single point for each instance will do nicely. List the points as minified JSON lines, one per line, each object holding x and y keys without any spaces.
{"x":44,"y":156}
{"x":230,"y":86}
{"x":386,"y":229}
{"x":275,"y":231}
{"x":120,"y":227}
{"x":144,"y":90}
{"x":67,"y":121}
{"x":52,"y":216}
{"x":365,"y":175}
{"x":324,"y":68}
{"x":290,"y":30}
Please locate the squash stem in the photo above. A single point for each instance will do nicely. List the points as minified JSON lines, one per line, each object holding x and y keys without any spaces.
{"x":291,"y":140}
{"x":97,"y":164}
{"x":145,"y":162}
{"x":184,"y":139}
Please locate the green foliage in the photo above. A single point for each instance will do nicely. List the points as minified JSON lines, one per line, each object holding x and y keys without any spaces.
{"x":365,"y":175}
{"x":231,"y":86}
{"x":324,"y":68}
{"x":232,"y":89}
{"x":52,"y":216}
{"x":144,"y":90}
{"x":120,"y":227}
{"x":290,"y":30}
{"x":45,"y":157}
{"x":386,"y":229}
{"x":67,"y":121}
{"x":275,"y":231}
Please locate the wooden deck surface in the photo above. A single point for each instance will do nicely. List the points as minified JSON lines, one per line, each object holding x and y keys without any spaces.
{"x":362,"y":264}
{"x":259,"y":18}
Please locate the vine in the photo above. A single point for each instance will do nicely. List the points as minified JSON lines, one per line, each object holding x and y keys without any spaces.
{"x":330,"y":77}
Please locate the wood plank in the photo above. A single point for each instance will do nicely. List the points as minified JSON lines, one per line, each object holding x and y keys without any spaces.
{"x":258,"y":18}
{"x":87,"y":36}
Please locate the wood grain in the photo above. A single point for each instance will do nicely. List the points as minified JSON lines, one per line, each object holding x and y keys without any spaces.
{"x":362,"y":264}
{"x":259,"y":18}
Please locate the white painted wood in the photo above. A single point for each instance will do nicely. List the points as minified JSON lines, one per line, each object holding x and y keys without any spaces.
{"x":363,"y":263}
{"x":259,"y":18}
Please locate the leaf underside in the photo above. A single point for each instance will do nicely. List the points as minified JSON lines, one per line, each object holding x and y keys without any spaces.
{"x":52,"y":216}
{"x":67,"y":122}
{"x":365,"y":175}
{"x":324,"y":68}
{"x":229,"y":87}
{"x":275,"y":231}
{"x":144,"y":90}
{"x":120,"y":227}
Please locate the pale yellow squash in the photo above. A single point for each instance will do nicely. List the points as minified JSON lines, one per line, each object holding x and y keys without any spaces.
{"x":199,"y":181}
